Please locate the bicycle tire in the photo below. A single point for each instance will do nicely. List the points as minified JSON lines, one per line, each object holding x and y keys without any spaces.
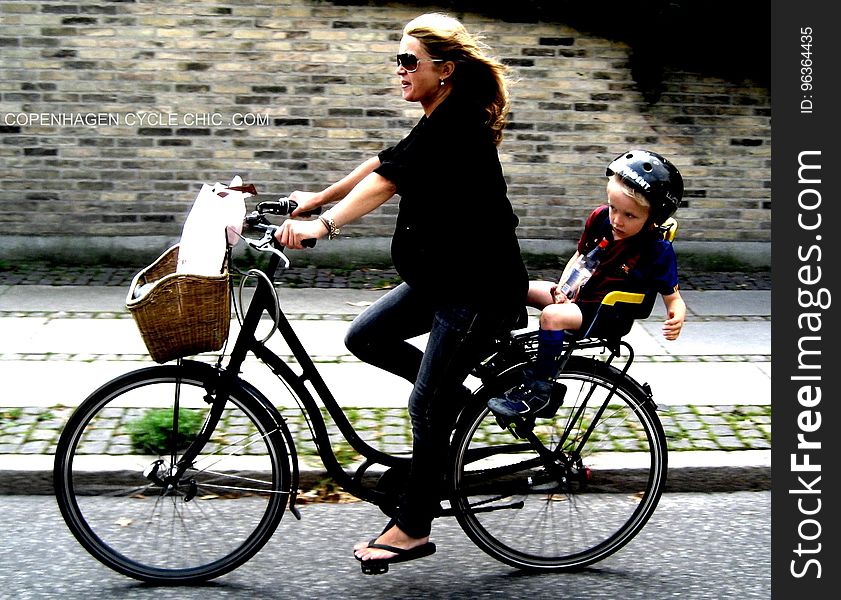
{"x":216,"y":518}
{"x":584,"y":509}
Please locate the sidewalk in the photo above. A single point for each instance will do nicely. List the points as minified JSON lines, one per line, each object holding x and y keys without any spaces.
{"x":712,"y":385}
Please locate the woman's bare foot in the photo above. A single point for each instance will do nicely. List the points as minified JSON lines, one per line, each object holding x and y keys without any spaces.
{"x":394,"y":536}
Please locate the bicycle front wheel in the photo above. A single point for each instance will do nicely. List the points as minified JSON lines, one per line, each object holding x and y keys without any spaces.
{"x":115,"y":485}
{"x":571,"y":490}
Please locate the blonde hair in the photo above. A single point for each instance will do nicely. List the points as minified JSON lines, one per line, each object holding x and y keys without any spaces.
{"x":485,"y":77}
{"x":632,"y":193}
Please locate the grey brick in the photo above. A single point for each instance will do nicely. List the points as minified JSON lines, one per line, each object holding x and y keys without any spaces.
{"x":324,"y":75}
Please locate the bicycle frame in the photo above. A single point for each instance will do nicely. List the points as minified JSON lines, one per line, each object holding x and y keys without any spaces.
{"x":615,"y":349}
{"x":263,"y":300}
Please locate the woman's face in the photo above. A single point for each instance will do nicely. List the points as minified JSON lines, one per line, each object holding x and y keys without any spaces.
{"x":424,"y":84}
{"x":627,"y":218}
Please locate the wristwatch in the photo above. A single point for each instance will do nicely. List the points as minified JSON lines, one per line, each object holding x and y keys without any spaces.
{"x":332,"y":230}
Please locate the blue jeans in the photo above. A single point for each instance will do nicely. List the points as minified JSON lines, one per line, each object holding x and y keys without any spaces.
{"x":458,"y":338}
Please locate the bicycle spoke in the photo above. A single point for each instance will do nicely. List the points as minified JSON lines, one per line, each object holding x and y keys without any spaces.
{"x":237,"y":449}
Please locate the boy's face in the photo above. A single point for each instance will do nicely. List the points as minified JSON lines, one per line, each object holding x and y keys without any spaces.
{"x":627,"y":218}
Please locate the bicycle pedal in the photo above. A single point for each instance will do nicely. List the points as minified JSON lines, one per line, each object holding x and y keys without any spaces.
{"x":503,"y":422}
{"x":374,"y":567}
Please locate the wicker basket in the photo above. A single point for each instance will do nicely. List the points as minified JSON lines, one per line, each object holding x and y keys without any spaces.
{"x":180,"y":314}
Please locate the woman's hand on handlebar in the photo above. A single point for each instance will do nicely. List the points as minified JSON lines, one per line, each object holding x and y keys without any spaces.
{"x":307,"y":202}
{"x":292,"y":233}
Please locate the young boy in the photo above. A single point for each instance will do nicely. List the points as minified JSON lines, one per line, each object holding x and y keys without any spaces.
{"x":643,"y":190}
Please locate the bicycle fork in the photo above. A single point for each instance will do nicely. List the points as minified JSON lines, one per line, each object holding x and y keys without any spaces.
{"x":216,"y":397}
{"x":171,"y":481}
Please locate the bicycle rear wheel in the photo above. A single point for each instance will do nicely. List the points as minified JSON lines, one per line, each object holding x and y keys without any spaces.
{"x":113,"y":476}
{"x":575,"y":504}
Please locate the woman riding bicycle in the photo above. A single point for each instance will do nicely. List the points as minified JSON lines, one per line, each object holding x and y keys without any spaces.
{"x":455,"y":231}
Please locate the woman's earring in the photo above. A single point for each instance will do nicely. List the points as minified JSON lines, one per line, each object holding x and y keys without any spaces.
{"x":442,"y":82}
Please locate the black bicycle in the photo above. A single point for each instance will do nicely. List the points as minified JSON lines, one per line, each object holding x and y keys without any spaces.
{"x":553,"y":493}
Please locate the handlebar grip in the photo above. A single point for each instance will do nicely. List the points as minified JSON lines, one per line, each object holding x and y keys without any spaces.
{"x":308,"y":213}
{"x":275,"y":207}
{"x":284,"y":206}
{"x":308,"y":243}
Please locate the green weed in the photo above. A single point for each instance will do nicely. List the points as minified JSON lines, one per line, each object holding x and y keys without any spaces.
{"x":152,"y":433}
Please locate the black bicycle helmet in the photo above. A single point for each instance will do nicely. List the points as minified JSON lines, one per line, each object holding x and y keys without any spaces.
{"x":654,"y":176}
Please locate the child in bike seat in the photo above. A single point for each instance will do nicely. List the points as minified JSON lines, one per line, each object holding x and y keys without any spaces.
{"x":643,"y":191}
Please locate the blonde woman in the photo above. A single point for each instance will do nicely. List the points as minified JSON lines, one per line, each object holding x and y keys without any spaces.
{"x":454,"y":246}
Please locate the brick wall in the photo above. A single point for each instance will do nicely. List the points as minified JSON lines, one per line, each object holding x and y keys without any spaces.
{"x":113,"y":113}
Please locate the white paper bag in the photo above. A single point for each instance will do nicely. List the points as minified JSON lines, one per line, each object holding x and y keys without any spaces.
{"x":233,"y":198}
{"x":214,"y":222}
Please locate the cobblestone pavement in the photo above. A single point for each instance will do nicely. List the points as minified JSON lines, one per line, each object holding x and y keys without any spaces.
{"x":27,"y":431}
{"x":362,"y":278}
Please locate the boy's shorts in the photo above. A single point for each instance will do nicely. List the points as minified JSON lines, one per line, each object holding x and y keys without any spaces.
{"x":612,"y":322}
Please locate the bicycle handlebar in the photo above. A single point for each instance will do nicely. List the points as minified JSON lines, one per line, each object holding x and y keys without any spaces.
{"x":257,"y":220}
{"x":284,"y":206}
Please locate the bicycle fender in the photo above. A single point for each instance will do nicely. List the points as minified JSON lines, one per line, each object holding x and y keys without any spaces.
{"x":641,"y":389}
{"x":212,"y":372}
{"x":287,"y":437}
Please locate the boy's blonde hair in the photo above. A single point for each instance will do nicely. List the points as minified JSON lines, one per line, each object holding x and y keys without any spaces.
{"x":632,"y":193}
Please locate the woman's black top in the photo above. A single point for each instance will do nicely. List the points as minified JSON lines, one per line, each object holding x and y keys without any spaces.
{"x":455,"y":237}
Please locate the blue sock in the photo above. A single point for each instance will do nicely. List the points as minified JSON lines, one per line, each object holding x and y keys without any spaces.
{"x":550,"y":345}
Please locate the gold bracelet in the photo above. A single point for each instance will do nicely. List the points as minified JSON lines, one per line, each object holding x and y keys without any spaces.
{"x":332,"y":230}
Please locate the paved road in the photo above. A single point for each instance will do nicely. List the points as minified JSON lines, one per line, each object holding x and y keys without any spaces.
{"x":698,"y":546}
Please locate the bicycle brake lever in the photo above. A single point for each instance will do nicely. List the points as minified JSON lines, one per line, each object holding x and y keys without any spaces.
{"x":265,"y":244}
{"x":283,"y":206}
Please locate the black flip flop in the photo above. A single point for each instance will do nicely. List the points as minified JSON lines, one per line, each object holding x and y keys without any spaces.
{"x":380,"y":565}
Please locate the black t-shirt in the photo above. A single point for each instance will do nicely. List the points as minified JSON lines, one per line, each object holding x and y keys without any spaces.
{"x":455,"y":237}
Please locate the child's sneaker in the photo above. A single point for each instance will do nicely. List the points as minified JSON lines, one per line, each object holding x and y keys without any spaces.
{"x":556,"y":398}
{"x":531,"y":399}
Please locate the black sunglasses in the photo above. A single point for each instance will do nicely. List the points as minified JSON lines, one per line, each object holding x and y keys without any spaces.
{"x":410,"y":62}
